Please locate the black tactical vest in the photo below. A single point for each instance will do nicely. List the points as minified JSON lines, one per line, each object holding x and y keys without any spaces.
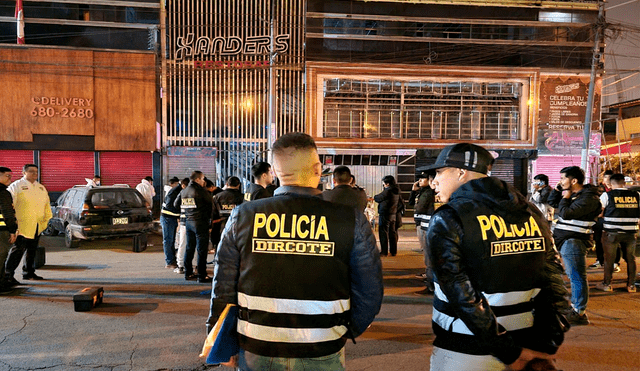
{"x":294,"y":275}
{"x":622,"y":211}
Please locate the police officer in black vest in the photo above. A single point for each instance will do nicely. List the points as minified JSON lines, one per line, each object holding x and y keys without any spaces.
{"x":494,"y":264}
{"x":196,"y":203}
{"x":620,"y":228}
{"x":225,"y":201}
{"x":304,"y":272}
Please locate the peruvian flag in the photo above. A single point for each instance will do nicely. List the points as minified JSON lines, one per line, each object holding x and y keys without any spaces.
{"x":20,"y":21}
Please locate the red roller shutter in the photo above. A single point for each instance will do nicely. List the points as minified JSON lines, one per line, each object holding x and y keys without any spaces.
{"x":125,"y":167}
{"x":15,"y":160}
{"x":60,"y":170}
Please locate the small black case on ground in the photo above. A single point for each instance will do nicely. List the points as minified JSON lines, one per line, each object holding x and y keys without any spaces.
{"x":140,"y":242}
{"x":87,"y":298}
{"x":40,"y":257}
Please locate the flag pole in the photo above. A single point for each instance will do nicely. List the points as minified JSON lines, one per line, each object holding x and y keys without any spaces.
{"x":20,"y":21}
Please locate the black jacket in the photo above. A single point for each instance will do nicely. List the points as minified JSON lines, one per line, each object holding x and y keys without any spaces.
{"x":256,"y":192}
{"x":576,"y":215}
{"x":388,"y":202}
{"x":224,"y":203}
{"x":347,"y":195}
{"x":168,"y":206}
{"x":422,"y":201}
{"x":475,"y":242}
{"x":8,"y":220}
{"x":196,"y":203}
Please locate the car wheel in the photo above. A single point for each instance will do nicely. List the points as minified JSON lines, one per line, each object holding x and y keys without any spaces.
{"x":49,"y":231}
{"x":69,"y":241}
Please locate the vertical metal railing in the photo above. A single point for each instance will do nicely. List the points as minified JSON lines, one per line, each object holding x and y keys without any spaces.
{"x":226,"y":107}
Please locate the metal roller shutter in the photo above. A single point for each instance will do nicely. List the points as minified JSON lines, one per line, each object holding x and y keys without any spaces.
{"x":60,"y":170}
{"x":125,"y":167}
{"x":15,"y":160}
{"x":182,"y":161}
{"x":551,"y":166}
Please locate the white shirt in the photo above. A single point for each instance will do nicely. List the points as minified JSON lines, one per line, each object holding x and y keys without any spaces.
{"x":604,"y":198}
{"x":146,"y":188}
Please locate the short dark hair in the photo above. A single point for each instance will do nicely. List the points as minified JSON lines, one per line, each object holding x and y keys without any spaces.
{"x":617,"y":178}
{"x":97,"y":176}
{"x":208,"y":183}
{"x":543,"y":178}
{"x":25,"y":167}
{"x":389,"y":179}
{"x":5,"y":170}
{"x":195,"y":175}
{"x":608,"y":172}
{"x":174,"y":180}
{"x":148,"y":178}
{"x":342,"y":174}
{"x":185,"y":181}
{"x":260,"y":168}
{"x":573,"y":172}
{"x":293,"y":140}
{"x":233,"y":181}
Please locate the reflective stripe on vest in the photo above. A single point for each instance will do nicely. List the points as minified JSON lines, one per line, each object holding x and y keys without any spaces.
{"x":620,"y":224}
{"x":510,"y":322}
{"x":167,"y":212}
{"x":423,"y":219}
{"x":574,"y":225}
{"x":2,"y":223}
{"x":290,"y":335}
{"x":293,"y":306}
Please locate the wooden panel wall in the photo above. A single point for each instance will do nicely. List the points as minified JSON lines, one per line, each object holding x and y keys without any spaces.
{"x":109,"y":95}
{"x":125,"y":86}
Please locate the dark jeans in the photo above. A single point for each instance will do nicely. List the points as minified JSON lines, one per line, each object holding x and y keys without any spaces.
{"x":597,"y":236}
{"x":15,"y":255}
{"x":216,"y":232}
{"x":197,"y":239}
{"x":388,"y":235}
{"x":169,"y":226}
{"x":4,"y":252}
{"x":612,"y":242}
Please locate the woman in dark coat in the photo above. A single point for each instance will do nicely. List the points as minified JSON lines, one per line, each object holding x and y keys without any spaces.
{"x":387,"y":208}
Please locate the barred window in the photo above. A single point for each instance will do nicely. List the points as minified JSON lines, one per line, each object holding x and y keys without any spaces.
{"x":423,"y":109}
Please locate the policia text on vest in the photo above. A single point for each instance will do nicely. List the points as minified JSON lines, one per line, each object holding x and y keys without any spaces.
{"x":496,"y":226}
{"x":284,"y":230}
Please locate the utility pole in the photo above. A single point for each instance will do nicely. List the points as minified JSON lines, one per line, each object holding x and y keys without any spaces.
{"x":592,"y":82}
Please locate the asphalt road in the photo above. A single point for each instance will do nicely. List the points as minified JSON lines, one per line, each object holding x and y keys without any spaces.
{"x":152,"y":319}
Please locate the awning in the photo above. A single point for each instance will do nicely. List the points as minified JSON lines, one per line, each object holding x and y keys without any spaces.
{"x":614,"y":149}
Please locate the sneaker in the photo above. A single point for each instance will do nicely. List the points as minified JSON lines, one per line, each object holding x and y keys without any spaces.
{"x":577,"y":319}
{"x":631,"y":289}
{"x":5,"y":289}
{"x":616,"y":267}
{"x":205,"y":279}
{"x":171,"y":266}
{"x":596,"y":265}
{"x":179,"y":270}
{"x":11,"y":281}
{"x":604,"y":287}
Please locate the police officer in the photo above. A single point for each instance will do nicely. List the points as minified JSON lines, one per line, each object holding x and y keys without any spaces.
{"x":8,"y":226}
{"x":343,"y":192}
{"x":224,"y":202}
{"x":304,"y":272}
{"x":262,"y":182}
{"x":423,"y":198}
{"x":494,"y":261}
{"x":620,"y":228}
{"x":169,"y":221}
{"x":196,"y":204}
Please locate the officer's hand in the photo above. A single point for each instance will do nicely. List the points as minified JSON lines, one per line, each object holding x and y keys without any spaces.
{"x":529,"y":355}
{"x":233,"y":362}
{"x":415,"y":186}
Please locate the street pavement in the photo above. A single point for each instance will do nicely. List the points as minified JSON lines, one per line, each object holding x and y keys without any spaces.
{"x":152,"y":319}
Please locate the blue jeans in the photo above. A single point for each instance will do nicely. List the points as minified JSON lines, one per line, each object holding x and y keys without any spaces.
{"x":197,"y":239}
{"x":253,"y":362}
{"x":574,"y":255}
{"x":169,"y":226}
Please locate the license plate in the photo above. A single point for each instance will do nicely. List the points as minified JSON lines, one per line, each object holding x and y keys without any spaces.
{"x":124,"y":220}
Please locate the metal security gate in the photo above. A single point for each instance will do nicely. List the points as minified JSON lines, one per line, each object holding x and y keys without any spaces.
{"x":125,"y":167}
{"x":60,"y":170}
{"x":15,"y":160}
{"x":227,"y":64}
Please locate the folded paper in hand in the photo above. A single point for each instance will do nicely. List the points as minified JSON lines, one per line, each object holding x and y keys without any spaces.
{"x":222,"y":342}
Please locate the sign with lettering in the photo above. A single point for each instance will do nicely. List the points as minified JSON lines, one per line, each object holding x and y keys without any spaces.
{"x":566,"y":142}
{"x":65,"y":107}
{"x":191,"y":46}
{"x":563,"y":101}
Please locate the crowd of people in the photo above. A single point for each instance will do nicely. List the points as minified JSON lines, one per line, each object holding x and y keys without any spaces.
{"x":305,"y":271}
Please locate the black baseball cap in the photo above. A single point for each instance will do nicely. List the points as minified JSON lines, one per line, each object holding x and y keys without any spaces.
{"x":463,"y":156}
{"x":174,"y":180}
{"x":427,"y":173}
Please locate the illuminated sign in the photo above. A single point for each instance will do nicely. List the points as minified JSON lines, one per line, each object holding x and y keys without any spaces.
{"x":203,"y":46}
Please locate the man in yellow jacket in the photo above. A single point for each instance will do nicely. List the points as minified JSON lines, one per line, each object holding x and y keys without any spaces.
{"x":33,"y":211}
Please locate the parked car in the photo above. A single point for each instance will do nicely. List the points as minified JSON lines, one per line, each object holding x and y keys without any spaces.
{"x":85,"y":213}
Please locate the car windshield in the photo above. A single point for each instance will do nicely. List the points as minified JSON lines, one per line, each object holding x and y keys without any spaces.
{"x":116,"y":199}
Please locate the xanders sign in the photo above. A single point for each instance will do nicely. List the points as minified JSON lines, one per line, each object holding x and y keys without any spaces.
{"x":203,"y":46}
